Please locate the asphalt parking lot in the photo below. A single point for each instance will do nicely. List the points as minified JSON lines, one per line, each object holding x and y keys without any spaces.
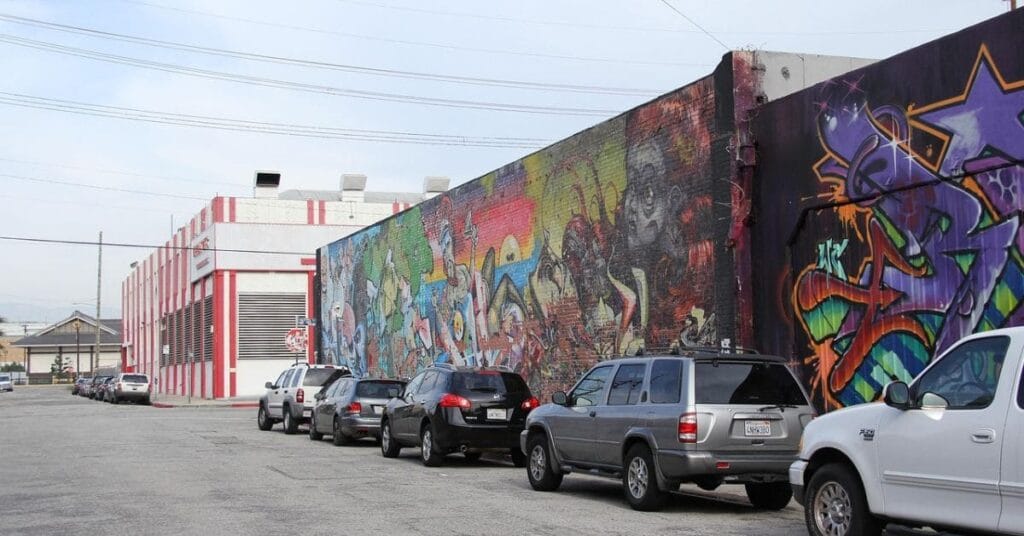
{"x":68,"y":463}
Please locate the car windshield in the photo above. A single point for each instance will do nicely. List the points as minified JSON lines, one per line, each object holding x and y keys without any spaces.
{"x":746,"y":383}
{"x":317,"y":377}
{"x":378,"y":389}
{"x":135,"y":378}
{"x":490,"y":382}
{"x":5,"y":378}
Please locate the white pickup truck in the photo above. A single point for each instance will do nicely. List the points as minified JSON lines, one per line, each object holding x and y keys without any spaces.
{"x":944,"y":452}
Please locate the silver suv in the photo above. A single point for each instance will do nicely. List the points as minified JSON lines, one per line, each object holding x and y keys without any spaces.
{"x":289,"y":399}
{"x":704,"y":417}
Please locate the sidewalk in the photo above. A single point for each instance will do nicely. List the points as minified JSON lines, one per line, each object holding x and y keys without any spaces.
{"x":176,"y":401}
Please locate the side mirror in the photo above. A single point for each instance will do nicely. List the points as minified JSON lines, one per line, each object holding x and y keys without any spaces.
{"x":319,"y":396}
{"x":897,"y":395}
{"x":269,"y":385}
{"x":560,"y":398}
{"x":933,"y":401}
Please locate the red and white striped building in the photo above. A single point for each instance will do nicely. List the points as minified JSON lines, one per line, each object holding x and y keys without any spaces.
{"x":208,"y":314}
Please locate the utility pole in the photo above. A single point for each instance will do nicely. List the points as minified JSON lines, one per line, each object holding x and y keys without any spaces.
{"x":99,"y":283}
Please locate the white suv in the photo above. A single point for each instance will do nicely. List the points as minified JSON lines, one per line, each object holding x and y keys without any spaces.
{"x":289,"y":399}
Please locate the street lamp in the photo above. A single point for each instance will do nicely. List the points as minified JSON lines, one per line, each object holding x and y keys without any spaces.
{"x":78,"y":344}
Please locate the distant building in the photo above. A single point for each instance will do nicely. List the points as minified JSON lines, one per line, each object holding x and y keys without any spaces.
{"x":220,"y":308}
{"x":73,"y":339}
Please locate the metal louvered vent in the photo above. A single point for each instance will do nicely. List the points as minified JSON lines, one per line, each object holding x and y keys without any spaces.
{"x":264,"y":321}
{"x":207,"y":333}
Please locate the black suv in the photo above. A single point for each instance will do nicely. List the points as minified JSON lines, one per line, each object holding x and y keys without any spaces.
{"x":447,"y":409}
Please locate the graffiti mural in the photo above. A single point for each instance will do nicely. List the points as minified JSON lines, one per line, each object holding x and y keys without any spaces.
{"x":594,"y":247}
{"x":927,"y":246}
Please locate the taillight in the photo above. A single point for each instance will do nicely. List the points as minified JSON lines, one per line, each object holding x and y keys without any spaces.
{"x":300,"y":395}
{"x":688,"y":428}
{"x":530,"y":403}
{"x":354,"y":407}
{"x":449,"y":400}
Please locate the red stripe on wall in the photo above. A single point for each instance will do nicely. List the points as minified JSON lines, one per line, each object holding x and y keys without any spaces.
{"x":218,"y":209}
{"x":233,"y":329}
{"x":202,"y":220}
{"x":394,"y":207}
{"x":309,"y":212}
{"x":323,"y":212}
{"x":202,"y":339}
{"x":308,"y":261}
{"x":309,"y":314}
{"x":219,"y":334}
{"x":231,"y":209}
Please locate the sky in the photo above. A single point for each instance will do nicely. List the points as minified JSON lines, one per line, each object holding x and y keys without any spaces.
{"x":68,"y":175}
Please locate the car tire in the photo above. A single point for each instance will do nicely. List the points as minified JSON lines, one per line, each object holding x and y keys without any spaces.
{"x":428,"y":449}
{"x":472,"y":456}
{"x":639,"y":481}
{"x":542,"y":477}
{"x":290,"y":424}
{"x":338,"y":437}
{"x":835,"y":504}
{"x":518,"y":458}
{"x":314,"y":435}
{"x":769,"y":495}
{"x":263,"y":420}
{"x":389,"y":447}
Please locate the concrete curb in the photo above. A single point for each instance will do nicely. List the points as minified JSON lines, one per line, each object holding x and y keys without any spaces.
{"x":233,"y":405}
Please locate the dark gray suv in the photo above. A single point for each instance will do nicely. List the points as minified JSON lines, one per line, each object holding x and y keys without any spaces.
{"x":656,"y":422}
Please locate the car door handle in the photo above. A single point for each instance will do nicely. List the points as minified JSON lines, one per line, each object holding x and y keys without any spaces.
{"x":593,"y":413}
{"x":984,"y":435}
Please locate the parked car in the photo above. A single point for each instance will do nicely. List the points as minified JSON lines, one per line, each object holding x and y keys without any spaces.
{"x":5,"y":383}
{"x":943,"y":452}
{"x":705,"y":417}
{"x":351,"y":408}
{"x":76,"y":389}
{"x":129,"y":387}
{"x":103,"y":394}
{"x":286,"y":399}
{"x":94,"y":386}
{"x":446,"y":409}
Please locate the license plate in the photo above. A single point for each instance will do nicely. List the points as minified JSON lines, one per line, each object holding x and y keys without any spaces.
{"x":757,"y":428}
{"x":135,"y":388}
{"x":497,"y":414}
{"x":378,"y":409}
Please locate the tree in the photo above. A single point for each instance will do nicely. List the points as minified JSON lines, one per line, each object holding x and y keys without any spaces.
{"x":13,"y":366}
{"x":60,"y":367}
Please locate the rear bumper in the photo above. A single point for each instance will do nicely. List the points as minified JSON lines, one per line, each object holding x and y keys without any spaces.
{"x":301,"y":413}
{"x":356,"y":426}
{"x":796,"y":480}
{"x":681,"y":465}
{"x":452,"y":436}
{"x":132,"y":395}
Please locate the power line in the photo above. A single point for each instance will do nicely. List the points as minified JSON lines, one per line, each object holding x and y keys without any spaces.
{"x":97,"y":187}
{"x":120,"y":172}
{"x":418,"y":43}
{"x":144,"y":246}
{"x":239,"y":125}
{"x":172,"y":45}
{"x":693,"y":22}
{"x":298,"y":86}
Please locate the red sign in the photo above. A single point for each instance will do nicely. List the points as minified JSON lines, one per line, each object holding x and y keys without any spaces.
{"x":296,"y":340}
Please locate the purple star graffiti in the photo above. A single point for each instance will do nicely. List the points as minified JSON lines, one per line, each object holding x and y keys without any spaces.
{"x":988,"y":116}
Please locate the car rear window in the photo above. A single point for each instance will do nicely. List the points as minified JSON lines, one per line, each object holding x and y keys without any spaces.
{"x":316,"y":377}
{"x":489,"y":382}
{"x":134,"y":378}
{"x":376,"y":389}
{"x":746,"y":383}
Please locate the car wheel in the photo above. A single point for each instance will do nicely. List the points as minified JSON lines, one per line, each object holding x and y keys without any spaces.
{"x":314,"y":435}
{"x":769,"y":495}
{"x":542,"y":477}
{"x":114,"y":400}
{"x":290,"y":424}
{"x":518,"y":458}
{"x":836,"y":505}
{"x":263,"y":420}
{"x":639,"y":480}
{"x":338,"y":436}
{"x":472,"y":456}
{"x":389,"y":447}
{"x":428,"y":449}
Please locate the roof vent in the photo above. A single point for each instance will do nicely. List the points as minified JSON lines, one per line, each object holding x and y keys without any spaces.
{"x":266,"y":184}
{"x":434,"y":186}
{"x":353,"y":187}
